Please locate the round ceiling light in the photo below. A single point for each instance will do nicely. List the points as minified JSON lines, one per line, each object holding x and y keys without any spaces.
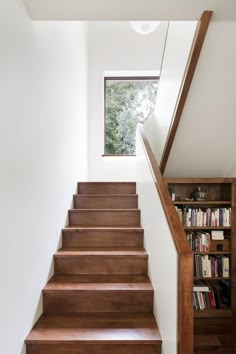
{"x":144,"y":27}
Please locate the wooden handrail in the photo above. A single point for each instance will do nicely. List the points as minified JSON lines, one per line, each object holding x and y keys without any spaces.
{"x":185,"y":255}
{"x":192,"y":63}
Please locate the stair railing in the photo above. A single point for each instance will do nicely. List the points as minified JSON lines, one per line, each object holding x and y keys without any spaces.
{"x":184,"y":254}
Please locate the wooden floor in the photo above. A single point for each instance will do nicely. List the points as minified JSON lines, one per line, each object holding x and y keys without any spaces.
{"x":100,"y":299}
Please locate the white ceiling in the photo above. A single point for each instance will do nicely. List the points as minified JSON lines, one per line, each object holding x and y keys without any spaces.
{"x":96,"y":10}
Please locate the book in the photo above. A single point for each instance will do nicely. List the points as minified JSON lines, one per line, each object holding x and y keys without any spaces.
{"x":200,"y":285}
{"x":225,"y":267}
{"x":217,"y":234}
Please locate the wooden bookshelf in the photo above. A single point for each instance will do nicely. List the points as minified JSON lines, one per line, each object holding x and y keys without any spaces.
{"x":220,"y":193}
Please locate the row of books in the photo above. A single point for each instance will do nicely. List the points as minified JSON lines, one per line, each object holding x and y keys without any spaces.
{"x":199,"y":241}
{"x":211,"y":266}
{"x":211,"y":295}
{"x":204,"y":217}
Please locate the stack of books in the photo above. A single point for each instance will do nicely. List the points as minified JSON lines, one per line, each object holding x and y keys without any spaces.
{"x":211,"y":266}
{"x":217,"y":234}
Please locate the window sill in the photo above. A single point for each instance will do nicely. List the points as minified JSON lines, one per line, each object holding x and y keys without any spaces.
{"x":115,"y":155}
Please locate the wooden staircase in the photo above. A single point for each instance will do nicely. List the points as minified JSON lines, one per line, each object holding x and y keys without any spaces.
{"x":100,"y":299}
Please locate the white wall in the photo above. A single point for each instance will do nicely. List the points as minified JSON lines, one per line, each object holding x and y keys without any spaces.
{"x":113,"y":46}
{"x":205,"y":142}
{"x":178,"y":46}
{"x":162,"y":255}
{"x":42,"y":136}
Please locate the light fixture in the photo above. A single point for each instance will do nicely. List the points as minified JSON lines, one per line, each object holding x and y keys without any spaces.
{"x":144,"y":27}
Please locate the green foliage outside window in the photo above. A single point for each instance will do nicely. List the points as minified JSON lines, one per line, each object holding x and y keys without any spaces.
{"x":128,"y":102}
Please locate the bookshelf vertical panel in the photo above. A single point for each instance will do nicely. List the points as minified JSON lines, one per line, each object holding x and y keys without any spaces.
{"x":233,"y":249}
{"x":185,"y":300}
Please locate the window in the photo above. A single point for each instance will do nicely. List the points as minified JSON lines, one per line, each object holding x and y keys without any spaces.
{"x":128,"y":101}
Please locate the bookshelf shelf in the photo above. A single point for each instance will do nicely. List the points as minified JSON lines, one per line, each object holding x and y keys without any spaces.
{"x":212,"y":252}
{"x":227,"y":312}
{"x":218,"y":209}
{"x":212,"y":278}
{"x":204,"y":202}
{"x":207,"y":227}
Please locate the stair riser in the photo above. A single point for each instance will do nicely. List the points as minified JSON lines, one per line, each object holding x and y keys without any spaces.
{"x":97,"y":301}
{"x":100,"y":264}
{"x":86,"y":348}
{"x":105,"y":202}
{"x":87,"y":238}
{"x":106,"y":188}
{"x":104,"y":218}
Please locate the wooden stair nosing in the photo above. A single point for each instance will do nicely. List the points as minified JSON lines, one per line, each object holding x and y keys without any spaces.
{"x":101,"y":251}
{"x":68,"y":285}
{"x":100,"y":278}
{"x":114,"y":229}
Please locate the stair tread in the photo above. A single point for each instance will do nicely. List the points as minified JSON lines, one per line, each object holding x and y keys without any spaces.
{"x":101,"y":328}
{"x":101,"y":251}
{"x":99,"y":283}
{"x":103,"y":210}
{"x":103,"y":228}
{"x":101,"y":278}
{"x":105,"y":195}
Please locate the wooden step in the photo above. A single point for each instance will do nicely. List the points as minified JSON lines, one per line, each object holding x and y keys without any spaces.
{"x":114,"y":333}
{"x":100,"y":261}
{"x":103,"y":237}
{"x":104,"y":217}
{"x":127,"y":295}
{"x":106,"y":188}
{"x":105,"y":201}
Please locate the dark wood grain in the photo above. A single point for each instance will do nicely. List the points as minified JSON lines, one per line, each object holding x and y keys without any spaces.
{"x":192,"y":64}
{"x":104,"y":217}
{"x":107,"y":188}
{"x":221,"y":344}
{"x":98,"y":348}
{"x":102,"y":237}
{"x":104,"y":201}
{"x":185,"y":255}
{"x":97,"y":297}
{"x":95,"y":333}
{"x":101,"y":262}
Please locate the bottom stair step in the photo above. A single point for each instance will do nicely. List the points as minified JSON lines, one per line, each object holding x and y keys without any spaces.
{"x":95,"y":334}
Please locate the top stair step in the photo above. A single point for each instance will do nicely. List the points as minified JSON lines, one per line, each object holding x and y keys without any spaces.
{"x":106,"y":188}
